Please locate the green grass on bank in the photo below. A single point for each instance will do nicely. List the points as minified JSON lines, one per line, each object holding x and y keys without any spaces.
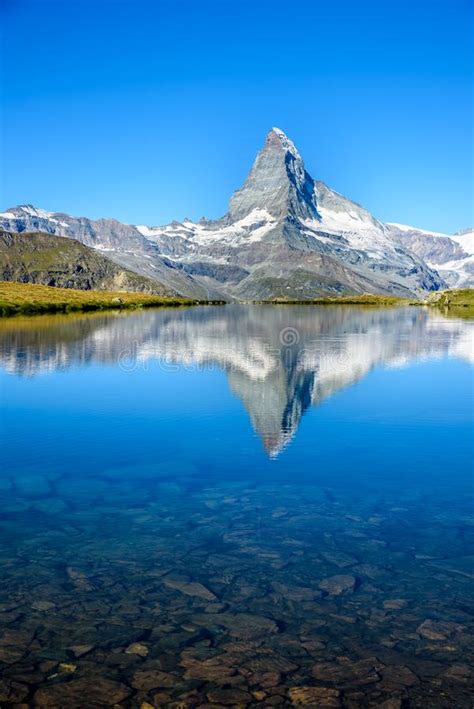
{"x":447,"y":299}
{"x":29,"y":299}
{"x":462,"y":298}
{"x":458,"y":303}
{"x":364,"y":299}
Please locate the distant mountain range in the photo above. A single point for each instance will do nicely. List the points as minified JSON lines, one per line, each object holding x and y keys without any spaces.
{"x":452,"y":256}
{"x":284,"y":235}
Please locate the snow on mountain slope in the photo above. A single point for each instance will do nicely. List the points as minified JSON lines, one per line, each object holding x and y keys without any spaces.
{"x":252,"y":227}
{"x":123,"y":243}
{"x":284,"y":235}
{"x":451,"y":255}
{"x":340,"y":216}
{"x":466,"y":240}
{"x":291,"y":236}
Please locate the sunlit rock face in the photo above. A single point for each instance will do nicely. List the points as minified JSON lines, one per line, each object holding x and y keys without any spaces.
{"x":122,"y":243}
{"x":284,"y":235}
{"x":277,"y":183}
{"x":289,"y":236}
{"x":279,"y":361}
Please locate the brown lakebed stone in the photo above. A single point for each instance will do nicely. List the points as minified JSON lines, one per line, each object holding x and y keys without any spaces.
{"x":395,"y":604}
{"x":148,"y":679}
{"x":240,"y":625}
{"x":229,"y":697}
{"x":144,"y":600}
{"x":397,"y":677}
{"x":73,"y":693}
{"x":315,"y":696}
{"x":190,"y":588}
{"x":341,"y":583}
{"x":438,"y":629}
{"x":137,"y":649}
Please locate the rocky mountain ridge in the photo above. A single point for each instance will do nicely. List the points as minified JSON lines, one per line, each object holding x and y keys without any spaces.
{"x":451,"y":255}
{"x":66,"y":263}
{"x":121,"y":243}
{"x":284,"y":235}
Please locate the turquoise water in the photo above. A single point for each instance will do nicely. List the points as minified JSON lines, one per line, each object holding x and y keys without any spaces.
{"x":237,"y":506}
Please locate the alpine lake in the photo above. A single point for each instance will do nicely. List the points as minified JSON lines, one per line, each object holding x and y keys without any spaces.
{"x":237,"y":506}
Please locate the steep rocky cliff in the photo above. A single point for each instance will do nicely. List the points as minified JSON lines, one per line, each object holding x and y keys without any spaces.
{"x":284,"y":235}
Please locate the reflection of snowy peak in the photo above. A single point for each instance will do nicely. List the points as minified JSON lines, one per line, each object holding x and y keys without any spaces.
{"x":279,"y":360}
{"x":284,"y":235}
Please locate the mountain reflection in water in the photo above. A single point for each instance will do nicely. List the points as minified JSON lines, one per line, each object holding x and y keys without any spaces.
{"x":279,"y":360}
{"x":152,"y":552}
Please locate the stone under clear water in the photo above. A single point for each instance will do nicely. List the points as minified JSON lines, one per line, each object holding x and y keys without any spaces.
{"x":237,"y":506}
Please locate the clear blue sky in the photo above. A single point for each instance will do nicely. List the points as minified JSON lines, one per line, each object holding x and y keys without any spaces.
{"x":153,"y":110}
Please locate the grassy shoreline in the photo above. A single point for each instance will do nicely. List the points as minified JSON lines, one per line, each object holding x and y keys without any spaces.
{"x":454,"y":303}
{"x":364,"y":299}
{"x":446,"y":299}
{"x":31,"y":299}
{"x":455,"y":298}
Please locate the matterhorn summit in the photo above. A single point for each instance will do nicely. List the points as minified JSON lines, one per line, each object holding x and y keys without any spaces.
{"x":285,"y":235}
{"x":278,"y":182}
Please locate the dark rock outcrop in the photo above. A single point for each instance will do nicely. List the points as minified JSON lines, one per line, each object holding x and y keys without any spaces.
{"x":55,"y":261}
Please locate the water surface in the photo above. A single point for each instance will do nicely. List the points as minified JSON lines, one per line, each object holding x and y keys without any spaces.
{"x":237,"y":506}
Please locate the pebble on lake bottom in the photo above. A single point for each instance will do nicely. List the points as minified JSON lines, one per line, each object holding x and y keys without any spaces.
{"x":146,"y":601}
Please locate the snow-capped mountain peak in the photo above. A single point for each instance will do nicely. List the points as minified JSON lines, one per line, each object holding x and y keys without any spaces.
{"x":277,"y":182}
{"x":284,"y":235}
{"x":277,"y":137}
{"x":29,"y":209}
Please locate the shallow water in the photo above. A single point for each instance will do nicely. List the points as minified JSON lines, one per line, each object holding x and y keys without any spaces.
{"x":237,"y":506}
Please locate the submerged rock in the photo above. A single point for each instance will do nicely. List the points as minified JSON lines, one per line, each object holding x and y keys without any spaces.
{"x":240,"y":625}
{"x":66,"y":668}
{"x":190,"y":588}
{"x":397,"y":677}
{"x":438,"y":629}
{"x":43,"y":605}
{"x":80,"y":650}
{"x":137,"y":649}
{"x":99,"y":692}
{"x":12,"y":692}
{"x":149,"y":679}
{"x":229,"y":697}
{"x":210,"y":670}
{"x":347,"y":673}
{"x":79,"y":579}
{"x":335,"y":585}
{"x":315,"y":696}
{"x":339,"y":559}
{"x":395,"y":604}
